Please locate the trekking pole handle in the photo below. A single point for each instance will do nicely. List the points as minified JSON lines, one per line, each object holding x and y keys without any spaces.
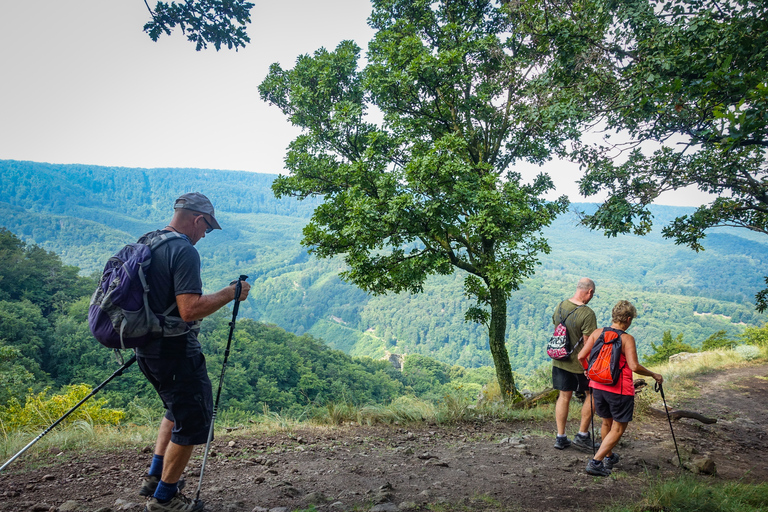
{"x":241,"y":278}
{"x":238,"y":290}
{"x":659,"y":389}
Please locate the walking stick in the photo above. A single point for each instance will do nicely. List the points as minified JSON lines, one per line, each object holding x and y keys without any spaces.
{"x":660,"y":389}
{"x":235,"y":309}
{"x":591,"y":397}
{"x":117,"y":373}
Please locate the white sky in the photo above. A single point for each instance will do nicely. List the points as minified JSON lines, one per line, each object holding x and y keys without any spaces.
{"x":80,"y":82}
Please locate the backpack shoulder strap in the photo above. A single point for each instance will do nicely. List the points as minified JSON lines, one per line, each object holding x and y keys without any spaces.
{"x":569,"y":313}
{"x":156,"y":241}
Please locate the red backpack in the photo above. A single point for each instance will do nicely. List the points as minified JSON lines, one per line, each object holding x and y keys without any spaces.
{"x":604,"y":358}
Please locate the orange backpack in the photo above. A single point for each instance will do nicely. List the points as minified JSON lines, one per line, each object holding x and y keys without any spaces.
{"x":604,"y":358}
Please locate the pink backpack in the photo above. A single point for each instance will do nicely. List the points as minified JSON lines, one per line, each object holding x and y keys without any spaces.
{"x":559,"y":346}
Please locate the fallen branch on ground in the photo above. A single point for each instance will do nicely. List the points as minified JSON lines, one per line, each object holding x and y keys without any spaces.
{"x":677,"y":414}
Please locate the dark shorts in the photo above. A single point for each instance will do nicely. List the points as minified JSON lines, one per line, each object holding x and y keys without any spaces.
{"x":567,"y":381}
{"x":185,"y":389}
{"x":612,"y":405}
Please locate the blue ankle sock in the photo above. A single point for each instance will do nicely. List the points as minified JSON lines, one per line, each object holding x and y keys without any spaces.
{"x":156,"y":468}
{"x":165,"y":491}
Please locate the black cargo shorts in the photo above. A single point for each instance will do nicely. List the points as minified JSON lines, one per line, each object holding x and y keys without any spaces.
{"x":185,"y":389}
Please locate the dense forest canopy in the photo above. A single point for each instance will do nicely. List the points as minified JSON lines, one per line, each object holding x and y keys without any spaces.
{"x":73,"y":211}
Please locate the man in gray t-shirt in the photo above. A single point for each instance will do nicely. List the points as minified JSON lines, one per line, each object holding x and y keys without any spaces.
{"x":174,"y":365}
{"x":568,"y":374}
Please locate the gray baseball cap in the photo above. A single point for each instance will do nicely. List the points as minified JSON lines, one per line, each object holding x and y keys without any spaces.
{"x":197,"y":202}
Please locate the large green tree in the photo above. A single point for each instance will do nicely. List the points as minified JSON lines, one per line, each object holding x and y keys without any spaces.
{"x":461,"y":88}
{"x":690,"y":76}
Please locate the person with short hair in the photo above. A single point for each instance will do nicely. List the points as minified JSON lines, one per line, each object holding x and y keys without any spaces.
{"x":175,"y":365}
{"x":615,"y":404}
{"x":567,"y":374}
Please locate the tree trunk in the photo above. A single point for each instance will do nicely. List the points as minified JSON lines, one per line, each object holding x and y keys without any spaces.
{"x":497,"y":331}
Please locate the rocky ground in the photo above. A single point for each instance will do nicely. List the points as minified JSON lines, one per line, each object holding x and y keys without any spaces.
{"x":470,"y":466}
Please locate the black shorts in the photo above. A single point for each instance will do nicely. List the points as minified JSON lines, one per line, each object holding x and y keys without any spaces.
{"x":614,"y":406}
{"x":185,"y":389}
{"x":567,"y":381}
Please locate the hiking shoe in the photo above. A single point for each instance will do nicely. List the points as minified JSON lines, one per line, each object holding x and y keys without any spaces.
{"x":149,"y":484}
{"x":584,"y":443}
{"x":611,"y":460}
{"x":561,"y":443}
{"x":178,"y":503}
{"x":597,"y":468}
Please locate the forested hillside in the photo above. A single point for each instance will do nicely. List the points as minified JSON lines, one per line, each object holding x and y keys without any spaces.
{"x":85,"y":213}
{"x":45,"y":344}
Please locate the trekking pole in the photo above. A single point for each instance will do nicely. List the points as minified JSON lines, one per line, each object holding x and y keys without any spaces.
{"x":660,"y":389}
{"x":591,"y":397}
{"x":235,"y":309}
{"x":117,"y":373}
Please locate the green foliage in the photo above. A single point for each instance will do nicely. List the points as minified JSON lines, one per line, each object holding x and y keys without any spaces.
{"x":755,"y":336}
{"x":272,"y":368}
{"x":430,"y":191}
{"x":668,"y":347}
{"x":41,"y":410}
{"x":15,"y":379}
{"x":36,"y":275}
{"x":203,"y":22}
{"x":718,"y":340}
{"x":684,"y":71}
{"x":23,"y":326}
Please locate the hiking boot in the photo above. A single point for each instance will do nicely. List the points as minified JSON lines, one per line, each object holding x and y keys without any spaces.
{"x":597,"y":468}
{"x":611,"y":460}
{"x":584,"y":443}
{"x":178,"y":503}
{"x":561,"y":443}
{"x":149,"y":484}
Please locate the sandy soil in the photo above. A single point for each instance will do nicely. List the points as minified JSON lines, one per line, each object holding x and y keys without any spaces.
{"x":471,"y":466}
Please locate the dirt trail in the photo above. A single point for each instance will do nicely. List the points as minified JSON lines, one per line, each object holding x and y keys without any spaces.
{"x":472,"y":466}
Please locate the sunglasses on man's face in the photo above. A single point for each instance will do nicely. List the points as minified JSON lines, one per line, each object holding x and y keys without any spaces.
{"x":209,"y":229}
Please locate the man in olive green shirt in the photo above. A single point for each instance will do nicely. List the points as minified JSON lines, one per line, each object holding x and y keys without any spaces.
{"x":568,"y":374}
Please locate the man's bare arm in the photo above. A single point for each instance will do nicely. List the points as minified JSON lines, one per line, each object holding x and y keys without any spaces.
{"x":196,"y":307}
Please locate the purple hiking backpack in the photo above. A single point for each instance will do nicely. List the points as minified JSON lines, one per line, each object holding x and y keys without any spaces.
{"x":119,"y":315}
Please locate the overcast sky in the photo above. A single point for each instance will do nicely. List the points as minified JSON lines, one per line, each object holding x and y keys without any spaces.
{"x":80,"y":82}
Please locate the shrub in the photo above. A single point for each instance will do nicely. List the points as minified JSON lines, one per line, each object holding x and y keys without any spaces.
{"x":718,"y":340}
{"x":667,"y":348}
{"x":755,"y":336}
{"x":41,"y":410}
{"x":747,"y":352}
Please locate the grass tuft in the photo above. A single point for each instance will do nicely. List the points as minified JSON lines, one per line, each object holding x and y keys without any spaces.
{"x":691,"y":494}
